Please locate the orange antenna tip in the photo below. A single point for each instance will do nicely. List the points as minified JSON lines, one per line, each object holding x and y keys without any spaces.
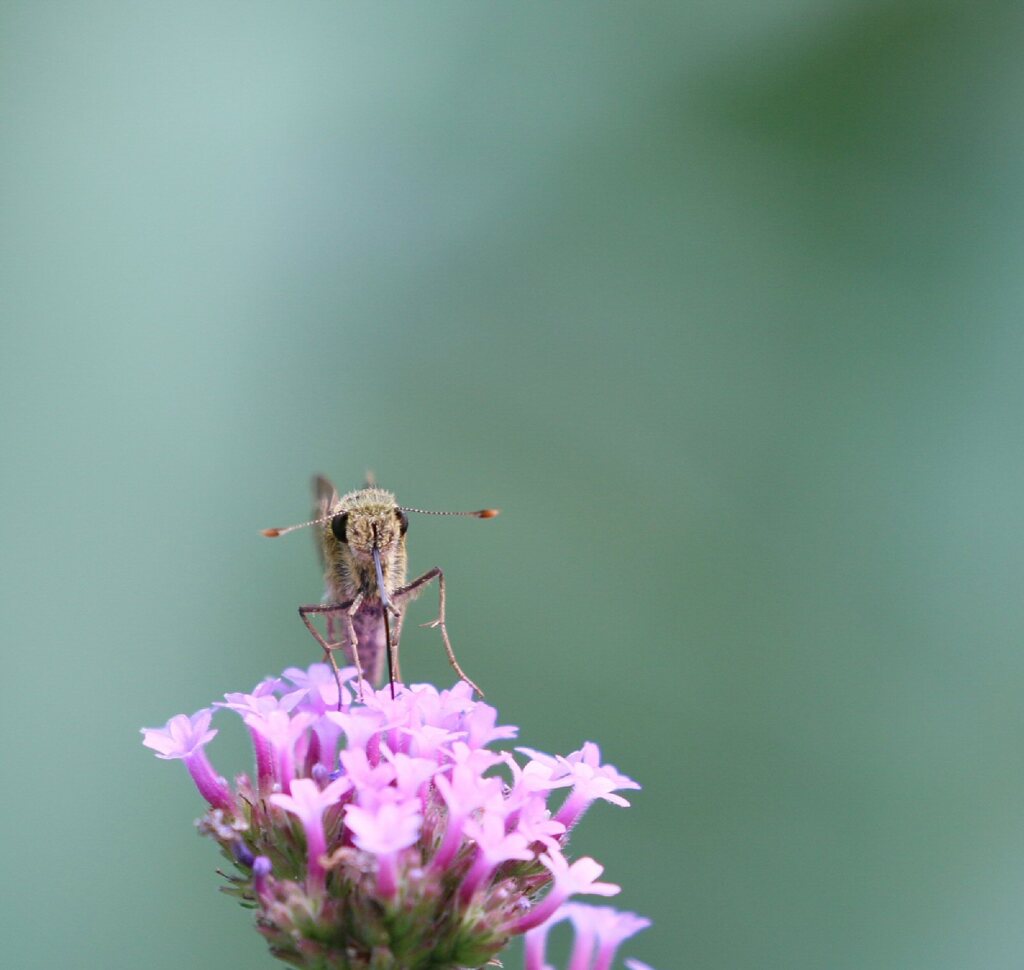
{"x":487,"y":513}
{"x":274,"y":533}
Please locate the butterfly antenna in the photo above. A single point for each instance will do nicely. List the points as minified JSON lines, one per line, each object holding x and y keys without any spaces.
{"x":274,"y":533}
{"x":478,"y":514}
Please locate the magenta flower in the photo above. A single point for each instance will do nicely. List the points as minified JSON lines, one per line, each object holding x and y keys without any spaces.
{"x":611,"y":928}
{"x":182,"y":736}
{"x":367,"y":778}
{"x":577,"y":878}
{"x":309,"y":803}
{"x":536,"y":824}
{"x":590,"y":780}
{"x":260,"y":703}
{"x":463,"y":793}
{"x":281,"y":731}
{"x":321,"y":685}
{"x":493,"y":847}
{"x":384,"y":831}
{"x":185,"y":738}
{"x":362,"y":727}
{"x":412,"y":775}
{"x":599,"y":930}
{"x":389,"y":833}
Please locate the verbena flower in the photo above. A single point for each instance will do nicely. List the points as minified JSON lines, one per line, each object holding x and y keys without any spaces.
{"x":599,"y":931}
{"x":383,"y":832}
{"x":185,"y":738}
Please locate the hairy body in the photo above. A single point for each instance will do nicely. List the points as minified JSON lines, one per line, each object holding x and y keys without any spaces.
{"x":362,"y":548}
{"x":371,"y":514}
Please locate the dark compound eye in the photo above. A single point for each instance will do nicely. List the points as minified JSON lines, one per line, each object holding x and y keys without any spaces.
{"x":339,"y":526}
{"x":404,"y":519}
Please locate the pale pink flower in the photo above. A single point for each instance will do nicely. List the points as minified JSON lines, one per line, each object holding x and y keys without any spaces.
{"x":579,"y":878}
{"x":185,"y":738}
{"x":599,"y":930}
{"x":590,"y":780}
{"x":281,"y":732}
{"x":308,"y":803}
{"x":493,"y":847}
{"x":384,"y":831}
{"x":463,"y":793}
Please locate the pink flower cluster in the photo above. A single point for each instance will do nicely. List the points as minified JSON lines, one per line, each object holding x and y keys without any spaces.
{"x":382,"y":828}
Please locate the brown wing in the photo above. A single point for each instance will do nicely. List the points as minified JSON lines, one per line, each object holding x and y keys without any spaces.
{"x":325,"y":498}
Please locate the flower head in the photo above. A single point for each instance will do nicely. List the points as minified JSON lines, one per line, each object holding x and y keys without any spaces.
{"x":385,"y":831}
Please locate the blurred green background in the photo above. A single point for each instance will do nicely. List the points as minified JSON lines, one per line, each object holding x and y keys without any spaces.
{"x":719,"y":302}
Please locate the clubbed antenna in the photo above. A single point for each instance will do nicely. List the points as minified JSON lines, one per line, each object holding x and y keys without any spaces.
{"x":284,"y":530}
{"x":479,"y":514}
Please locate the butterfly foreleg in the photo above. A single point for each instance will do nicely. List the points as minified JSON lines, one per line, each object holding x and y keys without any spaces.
{"x":347,"y":611}
{"x":411,"y":590}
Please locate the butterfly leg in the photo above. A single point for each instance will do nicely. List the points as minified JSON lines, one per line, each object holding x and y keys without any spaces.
{"x":412,"y":589}
{"x":396,"y":637}
{"x":347,"y":611}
